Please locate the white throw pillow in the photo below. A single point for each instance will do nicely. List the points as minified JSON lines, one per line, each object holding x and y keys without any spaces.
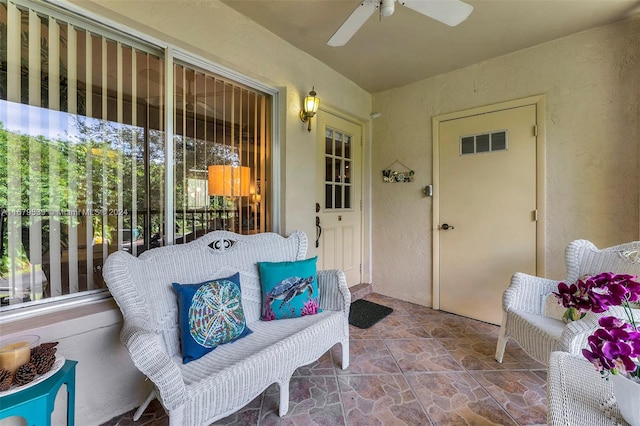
{"x":551,"y":307}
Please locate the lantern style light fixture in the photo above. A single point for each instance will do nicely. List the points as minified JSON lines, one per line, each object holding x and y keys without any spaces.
{"x":309,"y":108}
{"x":229,"y":181}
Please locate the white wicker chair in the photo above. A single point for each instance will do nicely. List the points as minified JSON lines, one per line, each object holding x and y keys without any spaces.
{"x":232,"y":375}
{"x":523,"y":302}
{"x":578,"y":395}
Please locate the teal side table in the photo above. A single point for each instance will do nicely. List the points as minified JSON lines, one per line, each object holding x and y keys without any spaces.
{"x":35,"y":404}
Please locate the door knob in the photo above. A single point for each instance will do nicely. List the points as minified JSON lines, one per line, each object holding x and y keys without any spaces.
{"x":446,"y":226}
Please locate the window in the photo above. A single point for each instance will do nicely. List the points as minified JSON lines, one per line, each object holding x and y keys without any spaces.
{"x":220,"y":147}
{"x":82,"y":153}
{"x":337,"y":170}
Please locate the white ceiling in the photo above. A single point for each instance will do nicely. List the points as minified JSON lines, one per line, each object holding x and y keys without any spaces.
{"x":408,"y":47}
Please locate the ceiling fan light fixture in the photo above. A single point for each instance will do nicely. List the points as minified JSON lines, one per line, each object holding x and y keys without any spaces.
{"x":387,"y":7}
{"x":449,"y":12}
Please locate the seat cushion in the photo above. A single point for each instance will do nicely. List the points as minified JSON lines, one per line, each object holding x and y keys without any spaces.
{"x":265,"y":335}
{"x":536,"y":334}
{"x":551,"y":326}
{"x":231,"y":375}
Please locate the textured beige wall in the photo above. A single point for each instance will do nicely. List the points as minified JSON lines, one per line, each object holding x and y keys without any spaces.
{"x":592,"y":85}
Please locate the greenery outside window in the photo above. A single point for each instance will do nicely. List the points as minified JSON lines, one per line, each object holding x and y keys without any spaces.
{"x":83,"y":155}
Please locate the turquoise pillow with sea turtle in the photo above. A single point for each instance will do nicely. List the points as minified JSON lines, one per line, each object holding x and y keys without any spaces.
{"x":209,"y":315}
{"x":289,"y":289}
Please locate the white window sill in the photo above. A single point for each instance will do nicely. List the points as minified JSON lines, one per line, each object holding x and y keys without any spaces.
{"x":41,"y":317}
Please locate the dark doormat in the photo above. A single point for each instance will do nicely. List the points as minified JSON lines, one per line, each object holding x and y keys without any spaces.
{"x":364,"y":314}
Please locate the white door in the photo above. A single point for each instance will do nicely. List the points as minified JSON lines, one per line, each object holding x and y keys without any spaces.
{"x":487,"y":209}
{"x":338,"y":195}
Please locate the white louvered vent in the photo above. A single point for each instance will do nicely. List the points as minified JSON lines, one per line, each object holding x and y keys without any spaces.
{"x":484,"y":142}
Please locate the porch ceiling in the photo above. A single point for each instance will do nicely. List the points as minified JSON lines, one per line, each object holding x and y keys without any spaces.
{"x":408,"y":47}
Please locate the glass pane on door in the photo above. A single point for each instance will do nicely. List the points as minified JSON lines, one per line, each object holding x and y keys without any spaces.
{"x":337,"y":169}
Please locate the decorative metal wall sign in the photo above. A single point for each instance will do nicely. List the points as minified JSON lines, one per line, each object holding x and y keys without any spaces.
{"x":405,"y":174}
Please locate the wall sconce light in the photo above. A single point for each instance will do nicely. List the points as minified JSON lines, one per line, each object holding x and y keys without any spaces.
{"x":309,"y":108}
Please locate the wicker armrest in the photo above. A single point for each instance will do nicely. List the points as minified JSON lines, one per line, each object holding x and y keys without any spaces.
{"x":575,"y":334}
{"x":149,"y":357}
{"x":525,"y":293}
{"x":334,"y":293}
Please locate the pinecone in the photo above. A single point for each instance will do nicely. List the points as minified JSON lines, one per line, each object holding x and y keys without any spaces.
{"x":43,"y":361}
{"x":6,"y":378}
{"x":49,"y":345}
{"x":45,"y":347}
{"x":48,"y":352}
{"x":25,"y":374}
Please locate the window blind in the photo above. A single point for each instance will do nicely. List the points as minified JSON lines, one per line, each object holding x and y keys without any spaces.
{"x":77,"y":128}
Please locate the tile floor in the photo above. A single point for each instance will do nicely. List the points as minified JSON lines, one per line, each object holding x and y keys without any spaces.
{"x":415,"y":367}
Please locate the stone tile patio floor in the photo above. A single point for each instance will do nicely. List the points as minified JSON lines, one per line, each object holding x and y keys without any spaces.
{"x":417,"y":366}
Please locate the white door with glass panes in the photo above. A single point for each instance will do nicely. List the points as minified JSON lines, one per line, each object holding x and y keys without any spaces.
{"x":338,"y":196}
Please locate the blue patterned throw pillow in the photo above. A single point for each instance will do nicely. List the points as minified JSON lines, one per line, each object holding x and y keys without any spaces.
{"x":289,"y":289}
{"x":209,"y":315}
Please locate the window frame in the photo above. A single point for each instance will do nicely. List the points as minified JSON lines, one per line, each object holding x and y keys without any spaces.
{"x":90,"y":20}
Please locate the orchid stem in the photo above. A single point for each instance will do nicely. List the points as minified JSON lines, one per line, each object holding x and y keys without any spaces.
{"x":629,"y":312}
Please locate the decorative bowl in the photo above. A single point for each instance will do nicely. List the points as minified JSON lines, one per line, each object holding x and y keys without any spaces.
{"x":16,"y":351}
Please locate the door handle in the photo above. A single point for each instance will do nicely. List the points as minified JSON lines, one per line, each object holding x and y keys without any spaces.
{"x":318,"y":231}
{"x":446,"y":226}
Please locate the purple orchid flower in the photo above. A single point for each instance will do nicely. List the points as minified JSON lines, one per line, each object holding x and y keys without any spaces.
{"x":615,"y":347}
{"x":599,"y":292}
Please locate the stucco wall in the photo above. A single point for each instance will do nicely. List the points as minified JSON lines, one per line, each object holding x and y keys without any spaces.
{"x":107,"y":382}
{"x":592,"y":85}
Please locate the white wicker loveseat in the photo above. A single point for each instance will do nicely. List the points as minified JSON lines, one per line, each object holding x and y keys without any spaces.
{"x":524,"y":301}
{"x":232,"y":375}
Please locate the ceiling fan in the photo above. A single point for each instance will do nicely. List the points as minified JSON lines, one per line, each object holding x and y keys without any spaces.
{"x":190,"y":101}
{"x":450,"y":12}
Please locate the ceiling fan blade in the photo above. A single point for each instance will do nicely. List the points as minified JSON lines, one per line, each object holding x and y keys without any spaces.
{"x":450,"y":12}
{"x":354,"y":22}
{"x":155,"y":100}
